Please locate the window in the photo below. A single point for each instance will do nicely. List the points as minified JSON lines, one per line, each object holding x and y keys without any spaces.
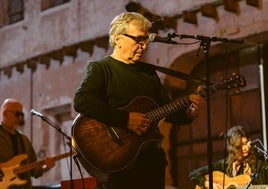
{"x":46,"y":4}
{"x":15,"y":11}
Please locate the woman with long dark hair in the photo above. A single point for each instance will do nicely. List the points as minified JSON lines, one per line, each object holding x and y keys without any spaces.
{"x":241,"y":160}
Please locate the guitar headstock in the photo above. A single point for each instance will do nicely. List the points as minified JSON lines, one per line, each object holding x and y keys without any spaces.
{"x":234,"y":81}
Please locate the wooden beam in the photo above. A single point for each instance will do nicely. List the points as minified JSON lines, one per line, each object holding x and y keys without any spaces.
{"x":44,"y":59}
{"x":189,"y":16}
{"x":57,"y":55}
{"x":8,"y":71}
{"x":87,"y":46}
{"x":254,"y":3}
{"x":102,"y":42}
{"x":70,"y":50}
{"x":32,"y":64}
{"x":210,"y":11}
{"x":20,"y":67}
{"x":231,"y":6}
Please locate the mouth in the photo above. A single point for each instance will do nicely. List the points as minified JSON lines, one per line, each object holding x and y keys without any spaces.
{"x":245,"y":153}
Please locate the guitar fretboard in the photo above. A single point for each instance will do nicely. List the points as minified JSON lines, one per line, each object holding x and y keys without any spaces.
{"x":157,"y":114}
{"x":37,"y":164}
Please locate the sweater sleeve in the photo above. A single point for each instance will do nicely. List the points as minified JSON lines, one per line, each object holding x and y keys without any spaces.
{"x":91,"y":99}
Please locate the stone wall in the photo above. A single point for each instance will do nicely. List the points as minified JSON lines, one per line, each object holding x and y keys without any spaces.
{"x":32,"y":74}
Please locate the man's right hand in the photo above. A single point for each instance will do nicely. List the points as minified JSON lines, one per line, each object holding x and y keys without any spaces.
{"x":138,"y":123}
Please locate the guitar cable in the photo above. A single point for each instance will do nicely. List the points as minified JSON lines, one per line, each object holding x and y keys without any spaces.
{"x":75,"y":158}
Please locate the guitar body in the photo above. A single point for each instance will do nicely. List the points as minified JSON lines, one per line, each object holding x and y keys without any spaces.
{"x":7,"y":169}
{"x":229,"y":182}
{"x":10,"y":170}
{"x":103,"y":150}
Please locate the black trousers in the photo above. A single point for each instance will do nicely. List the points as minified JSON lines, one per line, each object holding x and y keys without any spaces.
{"x":148,"y":172}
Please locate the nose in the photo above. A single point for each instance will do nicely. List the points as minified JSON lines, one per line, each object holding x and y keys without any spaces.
{"x":244,"y":147}
{"x":143,"y":45}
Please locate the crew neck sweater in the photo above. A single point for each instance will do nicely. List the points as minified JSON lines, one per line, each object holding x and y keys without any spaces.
{"x":109,"y":85}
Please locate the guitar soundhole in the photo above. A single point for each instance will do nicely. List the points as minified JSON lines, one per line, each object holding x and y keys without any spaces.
{"x":231,"y":187}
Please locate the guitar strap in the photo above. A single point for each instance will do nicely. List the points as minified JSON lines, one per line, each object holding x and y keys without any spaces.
{"x":171,"y":72}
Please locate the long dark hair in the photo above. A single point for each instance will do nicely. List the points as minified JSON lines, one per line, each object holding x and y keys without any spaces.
{"x":234,"y":146}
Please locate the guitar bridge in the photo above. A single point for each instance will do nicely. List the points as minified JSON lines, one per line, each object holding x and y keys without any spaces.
{"x":114,"y":136}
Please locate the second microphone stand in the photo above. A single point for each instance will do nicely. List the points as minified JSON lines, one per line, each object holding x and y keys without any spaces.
{"x":265,"y":155}
{"x":205,"y":43}
{"x":44,"y":118}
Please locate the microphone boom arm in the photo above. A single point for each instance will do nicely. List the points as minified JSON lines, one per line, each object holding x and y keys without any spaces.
{"x":200,"y":37}
{"x":264,"y":153}
{"x":44,"y":118}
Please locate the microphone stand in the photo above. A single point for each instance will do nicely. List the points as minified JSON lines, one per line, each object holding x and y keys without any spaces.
{"x":205,"y":45}
{"x":44,"y":118}
{"x":253,"y":177}
{"x":265,"y":155}
{"x":262,"y":151}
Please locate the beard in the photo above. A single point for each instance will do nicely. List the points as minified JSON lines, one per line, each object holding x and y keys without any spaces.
{"x":21,"y":122}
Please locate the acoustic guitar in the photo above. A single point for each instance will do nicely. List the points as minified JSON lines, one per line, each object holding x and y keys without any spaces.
{"x":103,"y":149}
{"x":10,"y":170}
{"x":237,"y":182}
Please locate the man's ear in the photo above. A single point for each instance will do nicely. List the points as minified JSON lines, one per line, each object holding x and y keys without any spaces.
{"x":117,"y":39}
{"x":5,"y":113}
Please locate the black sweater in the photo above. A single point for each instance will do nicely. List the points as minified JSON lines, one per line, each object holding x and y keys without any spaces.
{"x":109,"y":85}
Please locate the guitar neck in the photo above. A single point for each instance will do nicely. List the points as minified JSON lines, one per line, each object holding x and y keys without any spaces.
{"x":234,"y":81}
{"x":179,"y":104}
{"x":28,"y":167}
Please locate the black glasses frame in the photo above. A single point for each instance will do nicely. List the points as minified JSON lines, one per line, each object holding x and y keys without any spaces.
{"x":140,"y":39}
{"x":17,"y":113}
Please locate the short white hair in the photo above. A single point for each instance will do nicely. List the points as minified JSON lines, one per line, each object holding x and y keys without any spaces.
{"x":120,"y":24}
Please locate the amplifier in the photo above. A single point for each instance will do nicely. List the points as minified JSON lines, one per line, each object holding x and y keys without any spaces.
{"x":89,"y":182}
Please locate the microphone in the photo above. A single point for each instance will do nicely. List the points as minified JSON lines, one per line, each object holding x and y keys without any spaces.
{"x":153,"y":37}
{"x":251,"y":143}
{"x":37,"y":113}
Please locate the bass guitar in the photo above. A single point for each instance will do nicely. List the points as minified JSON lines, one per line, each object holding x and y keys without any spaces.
{"x":10,"y":170}
{"x":103,"y":149}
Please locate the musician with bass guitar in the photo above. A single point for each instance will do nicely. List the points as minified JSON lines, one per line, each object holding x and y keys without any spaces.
{"x":14,"y":145}
{"x":236,"y":170}
{"x":114,"y":91}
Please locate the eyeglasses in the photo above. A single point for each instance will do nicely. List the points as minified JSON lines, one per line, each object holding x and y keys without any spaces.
{"x":140,"y":39}
{"x":17,"y":113}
